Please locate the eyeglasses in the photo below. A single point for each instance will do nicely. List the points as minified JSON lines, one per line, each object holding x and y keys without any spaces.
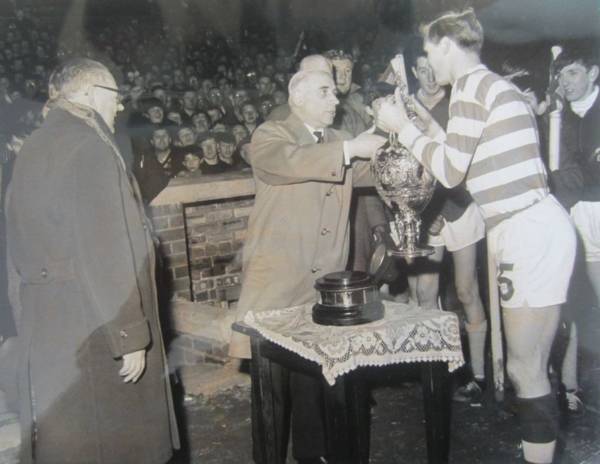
{"x":120,"y":94}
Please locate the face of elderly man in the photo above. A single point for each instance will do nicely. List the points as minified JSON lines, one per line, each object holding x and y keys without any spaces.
{"x":315,"y":100}
{"x":107,"y":101}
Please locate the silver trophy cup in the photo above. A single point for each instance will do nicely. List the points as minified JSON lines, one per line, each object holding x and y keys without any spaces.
{"x":406,"y":188}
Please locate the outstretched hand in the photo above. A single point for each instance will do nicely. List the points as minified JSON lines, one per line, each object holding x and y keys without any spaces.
{"x":133,"y":366}
{"x":364,"y":145}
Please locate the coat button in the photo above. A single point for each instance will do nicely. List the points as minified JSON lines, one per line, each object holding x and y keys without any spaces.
{"x":44,"y":273}
{"x":325,"y":231}
{"x":315,"y":269}
{"x":123,"y":334}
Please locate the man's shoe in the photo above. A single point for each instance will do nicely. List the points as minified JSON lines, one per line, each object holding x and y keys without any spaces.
{"x":471,"y":393}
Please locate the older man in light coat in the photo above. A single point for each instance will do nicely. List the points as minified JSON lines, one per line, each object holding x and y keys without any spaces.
{"x":298,"y":230}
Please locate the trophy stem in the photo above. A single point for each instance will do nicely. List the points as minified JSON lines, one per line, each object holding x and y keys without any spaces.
{"x":407,"y":226}
{"x":406,"y":188}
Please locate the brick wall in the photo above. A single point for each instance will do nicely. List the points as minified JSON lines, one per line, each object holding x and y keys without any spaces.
{"x":201,"y":224}
{"x":200,"y":243}
{"x":215,"y":234}
{"x":169,"y":227}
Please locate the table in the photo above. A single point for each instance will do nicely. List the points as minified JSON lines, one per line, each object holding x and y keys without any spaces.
{"x":340,"y":356}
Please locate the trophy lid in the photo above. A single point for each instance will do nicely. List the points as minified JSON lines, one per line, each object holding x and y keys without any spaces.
{"x":343,"y":280}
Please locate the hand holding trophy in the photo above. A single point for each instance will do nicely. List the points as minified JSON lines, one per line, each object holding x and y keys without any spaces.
{"x":400,"y":180}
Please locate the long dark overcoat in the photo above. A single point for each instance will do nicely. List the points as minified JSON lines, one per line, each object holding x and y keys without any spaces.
{"x":78,"y":238}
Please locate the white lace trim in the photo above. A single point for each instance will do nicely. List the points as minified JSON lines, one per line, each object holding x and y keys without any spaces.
{"x":405,"y":335}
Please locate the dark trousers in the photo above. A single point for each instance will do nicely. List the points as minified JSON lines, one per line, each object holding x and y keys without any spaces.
{"x":298,"y":397}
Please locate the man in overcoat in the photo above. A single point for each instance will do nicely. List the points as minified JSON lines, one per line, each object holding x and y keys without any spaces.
{"x":93,"y":376}
{"x":298,"y":229}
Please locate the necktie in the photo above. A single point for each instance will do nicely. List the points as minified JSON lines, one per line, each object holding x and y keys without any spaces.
{"x":319,"y":136}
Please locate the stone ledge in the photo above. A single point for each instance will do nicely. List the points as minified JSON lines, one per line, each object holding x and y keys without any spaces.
{"x":206,"y":188}
{"x":201,"y":320}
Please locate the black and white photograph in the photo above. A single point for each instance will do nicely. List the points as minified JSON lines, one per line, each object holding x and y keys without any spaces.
{"x":299,"y":232}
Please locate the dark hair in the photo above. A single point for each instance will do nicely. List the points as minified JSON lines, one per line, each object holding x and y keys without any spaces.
{"x":184,"y":126}
{"x":225,"y":137}
{"x":461,"y":27}
{"x":412,"y":51}
{"x":150,"y":102}
{"x":583,"y":53}
{"x":338,"y":55}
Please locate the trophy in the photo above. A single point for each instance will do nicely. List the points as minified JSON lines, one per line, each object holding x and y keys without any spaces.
{"x":404,"y":185}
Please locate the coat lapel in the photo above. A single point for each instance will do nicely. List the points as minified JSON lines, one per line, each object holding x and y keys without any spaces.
{"x":300,"y":131}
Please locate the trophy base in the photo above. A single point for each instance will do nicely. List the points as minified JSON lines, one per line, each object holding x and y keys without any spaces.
{"x":350,"y":315}
{"x":417,"y":252}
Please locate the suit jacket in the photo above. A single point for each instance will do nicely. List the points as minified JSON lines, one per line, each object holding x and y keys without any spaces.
{"x":298,"y":229}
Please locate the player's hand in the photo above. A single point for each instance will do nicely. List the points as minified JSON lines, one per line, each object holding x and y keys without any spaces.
{"x":436,"y":225}
{"x":133,"y":366}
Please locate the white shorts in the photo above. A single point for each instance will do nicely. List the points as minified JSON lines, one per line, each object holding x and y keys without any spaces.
{"x":466,"y":230}
{"x":535,"y":253}
{"x":586,"y":215}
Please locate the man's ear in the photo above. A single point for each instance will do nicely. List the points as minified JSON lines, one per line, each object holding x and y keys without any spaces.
{"x":90,"y":97}
{"x":297,"y":98}
{"x":446,"y":44}
{"x":593,"y":73}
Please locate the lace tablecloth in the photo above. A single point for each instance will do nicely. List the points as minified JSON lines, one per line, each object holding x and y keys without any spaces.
{"x":405,"y":335}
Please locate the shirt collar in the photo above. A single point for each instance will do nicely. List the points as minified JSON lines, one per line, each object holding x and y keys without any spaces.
{"x":312,"y":131}
{"x":462,"y":78}
{"x":580,"y":108}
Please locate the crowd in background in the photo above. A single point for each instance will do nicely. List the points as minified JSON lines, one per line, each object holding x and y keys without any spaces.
{"x":192,"y":97}
{"x":189,"y":104}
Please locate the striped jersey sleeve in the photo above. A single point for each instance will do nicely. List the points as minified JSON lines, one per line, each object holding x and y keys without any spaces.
{"x":492,"y":140}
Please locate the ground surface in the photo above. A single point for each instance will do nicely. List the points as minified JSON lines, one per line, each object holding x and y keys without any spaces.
{"x":218,"y":430}
{"x":217,"y":427}
{"x":215,"y":416}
